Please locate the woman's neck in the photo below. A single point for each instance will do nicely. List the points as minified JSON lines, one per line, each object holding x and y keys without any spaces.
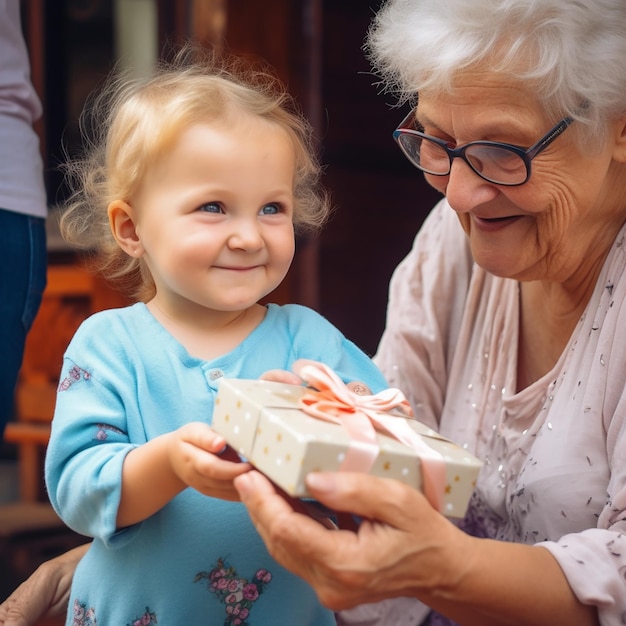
{"x":547,"y":321}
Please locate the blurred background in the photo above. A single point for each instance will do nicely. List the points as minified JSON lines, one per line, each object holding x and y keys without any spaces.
{"x":380,"y":200}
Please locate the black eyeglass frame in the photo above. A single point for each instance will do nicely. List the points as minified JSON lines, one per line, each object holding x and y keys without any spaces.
{"x":526,"y":154}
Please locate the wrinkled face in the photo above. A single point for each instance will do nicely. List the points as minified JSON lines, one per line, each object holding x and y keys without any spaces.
{"x":213,"y":216}
{"x":546,"y":228}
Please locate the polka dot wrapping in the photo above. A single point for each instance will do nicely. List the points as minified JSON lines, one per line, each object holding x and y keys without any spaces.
{"x":261,"y":421}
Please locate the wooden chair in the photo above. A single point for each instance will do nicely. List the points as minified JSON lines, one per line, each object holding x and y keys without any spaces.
{"x":66,"y":302}
{"x":71,"y":295}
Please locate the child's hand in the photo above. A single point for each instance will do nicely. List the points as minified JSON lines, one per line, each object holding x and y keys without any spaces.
{"x":281,"y":376}
{"x":194,"y":452}
{"x":157,"y":471}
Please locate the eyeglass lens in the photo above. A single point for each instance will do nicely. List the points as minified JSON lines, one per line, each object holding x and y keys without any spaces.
{"x":497,"y":164}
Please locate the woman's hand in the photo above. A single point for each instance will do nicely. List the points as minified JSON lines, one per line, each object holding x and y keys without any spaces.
{"x":281,"y":376}
{"x":44,"y":594}
{"x":284,"y":376}
{"x":404,"y":548}
{"x":408,"y":549}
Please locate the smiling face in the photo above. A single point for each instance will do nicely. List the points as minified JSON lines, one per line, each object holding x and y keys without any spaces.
{"x":565,"y":217}
{"x":212,"y":219}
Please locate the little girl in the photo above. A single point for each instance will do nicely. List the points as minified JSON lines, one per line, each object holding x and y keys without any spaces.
{"x":191,"y":195}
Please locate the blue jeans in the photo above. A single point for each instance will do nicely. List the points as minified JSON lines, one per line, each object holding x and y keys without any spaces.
{"x":23,"y":264}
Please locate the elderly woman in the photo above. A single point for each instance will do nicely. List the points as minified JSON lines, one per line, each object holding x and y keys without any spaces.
{"x":503,"y":324}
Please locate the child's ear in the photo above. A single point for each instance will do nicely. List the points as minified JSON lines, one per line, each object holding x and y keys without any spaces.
{"x":123,"y":228}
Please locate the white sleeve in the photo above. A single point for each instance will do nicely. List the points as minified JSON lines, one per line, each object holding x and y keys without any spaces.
{"x":594,"y":560}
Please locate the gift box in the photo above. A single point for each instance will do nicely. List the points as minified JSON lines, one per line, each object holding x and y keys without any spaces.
{"x":265,"y":423}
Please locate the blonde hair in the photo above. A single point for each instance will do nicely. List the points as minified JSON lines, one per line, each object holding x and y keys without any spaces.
{"x":129,"y":124}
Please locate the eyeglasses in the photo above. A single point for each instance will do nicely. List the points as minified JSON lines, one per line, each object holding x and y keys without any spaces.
{"x":495,"y":162}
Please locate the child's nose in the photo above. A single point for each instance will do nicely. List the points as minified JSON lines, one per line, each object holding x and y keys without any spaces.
{"x":246,"y":235}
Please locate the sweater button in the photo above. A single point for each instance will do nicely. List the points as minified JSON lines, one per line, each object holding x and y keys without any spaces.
{"x":215,"y":374}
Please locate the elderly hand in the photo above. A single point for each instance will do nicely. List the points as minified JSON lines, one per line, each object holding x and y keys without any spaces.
{"x":44,"y":594}
{"x":402,"y":547}
{"x":284,"y":376}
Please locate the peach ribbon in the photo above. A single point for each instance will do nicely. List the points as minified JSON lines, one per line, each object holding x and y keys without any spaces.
{"x":332,"y":401}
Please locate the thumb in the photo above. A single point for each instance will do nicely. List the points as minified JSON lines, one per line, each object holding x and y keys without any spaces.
{"x":366,"y":496}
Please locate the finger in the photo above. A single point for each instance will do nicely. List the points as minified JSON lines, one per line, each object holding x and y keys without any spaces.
{"x":281,"y":376}
{"x":322,"y":557}
{"x":220,"y":491}
{"x":291,"y":537}
{"x":263,"y":499}
{"x":25,"y":605}
{"x":13,"y":617}
{"x":201,"y":435}
{"x":366,"y":496}
{"x":311,"y":508}
{"x":209,"y":473}
{"x":215,"y":468}
{"x":360,"y":389}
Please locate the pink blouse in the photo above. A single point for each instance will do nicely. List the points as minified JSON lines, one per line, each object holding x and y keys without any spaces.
{"x":555,"y":453}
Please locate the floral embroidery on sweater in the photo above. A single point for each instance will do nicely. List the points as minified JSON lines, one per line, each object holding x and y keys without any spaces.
{"x":73,"y":376}
{"x":236,"y":593}
{"x":83,"y":616}
{"x":145,"y":620}
{"x":101,"y":432}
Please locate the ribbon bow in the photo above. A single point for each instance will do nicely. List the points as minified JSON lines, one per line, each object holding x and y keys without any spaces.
{"x":332,"y":401}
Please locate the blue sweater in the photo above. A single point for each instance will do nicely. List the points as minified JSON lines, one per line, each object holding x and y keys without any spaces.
{"x":199,"y":560}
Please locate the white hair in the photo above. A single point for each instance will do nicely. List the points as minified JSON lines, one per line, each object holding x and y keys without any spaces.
{"x":571,"y":52}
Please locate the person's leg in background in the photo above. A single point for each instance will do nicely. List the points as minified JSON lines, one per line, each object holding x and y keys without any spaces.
{"x":22,"y":281}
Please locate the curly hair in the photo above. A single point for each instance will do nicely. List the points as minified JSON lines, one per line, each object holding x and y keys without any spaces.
{"x":129,"y":123}
{"x":571,"y":53}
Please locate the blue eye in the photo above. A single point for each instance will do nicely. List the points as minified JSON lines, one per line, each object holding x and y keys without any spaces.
{"x":271,"y":209}
{"x":211,"y":207}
